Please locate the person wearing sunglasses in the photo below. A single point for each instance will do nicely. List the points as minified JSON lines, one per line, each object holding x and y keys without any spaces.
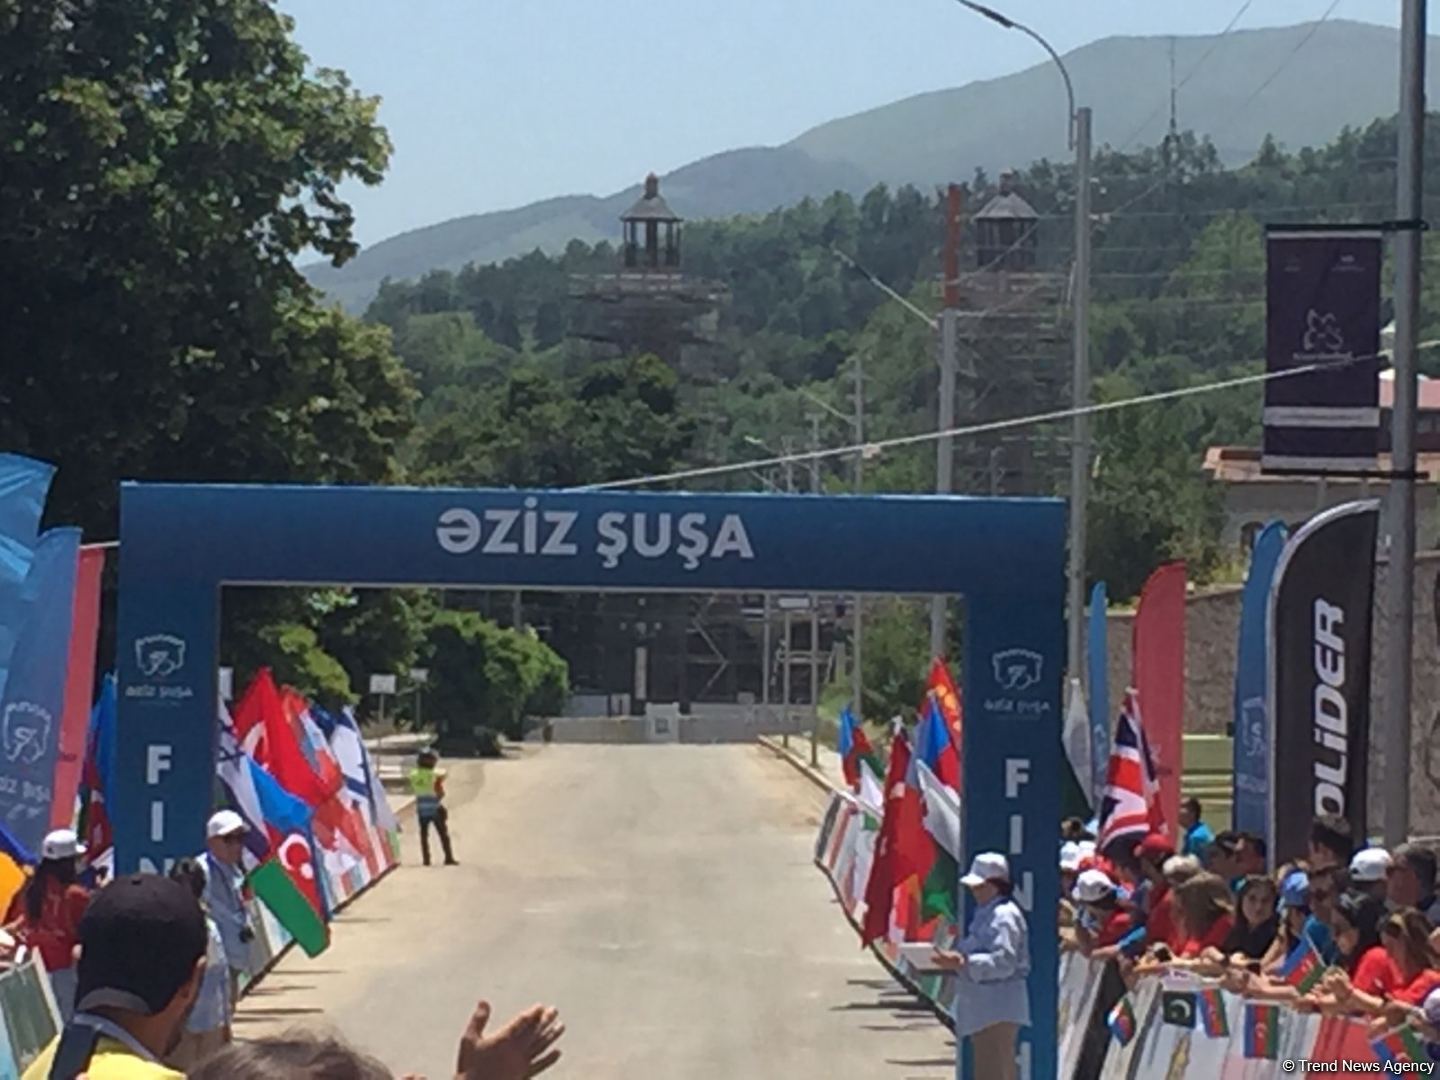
{"x":224,"y":891}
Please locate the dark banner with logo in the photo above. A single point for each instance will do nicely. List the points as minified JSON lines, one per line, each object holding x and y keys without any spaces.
{"x":1322,"y":306}
{"x":1320,"y":616}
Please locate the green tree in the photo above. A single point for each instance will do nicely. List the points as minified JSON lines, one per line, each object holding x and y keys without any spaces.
{"x":487,"y":677}
{"x":620,"y":418}
{"x":896,"y":659}
{"x":165,"y":163}
{"x":1151,"y":501}
{"x":550,"y":324}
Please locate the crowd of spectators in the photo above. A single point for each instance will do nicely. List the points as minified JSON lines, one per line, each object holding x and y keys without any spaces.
{"x":1348,"y":929}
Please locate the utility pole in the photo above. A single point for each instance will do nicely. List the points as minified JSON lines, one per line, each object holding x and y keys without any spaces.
{"x":949,"y":363}
{"x":1408,"y":210}
{"x":787,"y":451}
{"x":857,"y":618}
{"x":765,"y":666}
{"x":1080,"y":400}
{"x":814,"y":611}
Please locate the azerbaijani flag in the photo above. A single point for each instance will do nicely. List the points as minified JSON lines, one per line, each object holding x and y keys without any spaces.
{"x":855,"y":748}
{"x":277,"y":882}
{"x":1212,"y":1013}
{"x":1401,"y":1045}
{"x":1121,"y":1021}
{"x":1303,"y":968}
{"x":1262,"y":1031}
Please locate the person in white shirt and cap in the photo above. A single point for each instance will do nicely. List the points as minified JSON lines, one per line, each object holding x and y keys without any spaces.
{"x":991,"y":963}
{"x":224,"y":897}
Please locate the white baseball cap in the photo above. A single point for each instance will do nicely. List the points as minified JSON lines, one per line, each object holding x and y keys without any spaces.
{"x":224,"y":823}
{"x":987,"y":866}
{"x":1069,"y":856}
{"x":61,"y":844}
{"x":1369,"y":865}
{"x":1092,"y":886}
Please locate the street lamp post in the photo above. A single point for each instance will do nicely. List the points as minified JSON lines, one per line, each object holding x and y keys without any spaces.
{"x":857,"y":422}
{"x":1080,"y":123}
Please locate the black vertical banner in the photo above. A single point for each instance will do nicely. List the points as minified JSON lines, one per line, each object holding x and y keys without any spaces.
{"x":1322,"y":305}
{"x":1320,"y":624}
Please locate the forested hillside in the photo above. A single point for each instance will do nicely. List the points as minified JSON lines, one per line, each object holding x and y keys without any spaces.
{"x":1179,"y":301}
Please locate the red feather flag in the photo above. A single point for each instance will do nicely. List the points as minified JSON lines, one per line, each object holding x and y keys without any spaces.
{"x":904,"y":849}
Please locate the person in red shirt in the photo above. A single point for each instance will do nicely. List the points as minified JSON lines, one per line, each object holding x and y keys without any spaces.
{"x":1104,"y":923}
{"x":1205,"y":914}
{"x":1405,"y":935}
{"x":1152,"y":853}
{"x":45,"y":914}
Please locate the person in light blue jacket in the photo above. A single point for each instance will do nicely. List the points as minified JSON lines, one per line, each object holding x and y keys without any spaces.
{"x":991,"y":962}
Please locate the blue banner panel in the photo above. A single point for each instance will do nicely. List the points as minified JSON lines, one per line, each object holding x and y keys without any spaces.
{"x":1015,"y":654}
{"x":1252,"y":716}
{"x":34,"y":697}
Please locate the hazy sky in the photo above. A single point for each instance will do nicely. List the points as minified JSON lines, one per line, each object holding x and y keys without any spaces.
{"x":498,"y":103}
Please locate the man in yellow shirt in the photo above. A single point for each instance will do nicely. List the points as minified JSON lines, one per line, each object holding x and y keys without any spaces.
{"x":142,"y":956}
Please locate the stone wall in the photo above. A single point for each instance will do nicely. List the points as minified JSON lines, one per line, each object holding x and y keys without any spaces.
{"x":1211,"y":627}
{"x":1212,"y":620}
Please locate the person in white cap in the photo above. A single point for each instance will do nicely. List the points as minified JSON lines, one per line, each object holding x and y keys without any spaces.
{"x":991,"y":963}
{"x":224,"y":898}
{"x":1069,"y":868}
{"x":45,"y":914}
{"x":1370,"y":871}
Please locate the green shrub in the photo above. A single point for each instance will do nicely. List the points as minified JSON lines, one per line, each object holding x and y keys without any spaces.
{"x":484,"y":676}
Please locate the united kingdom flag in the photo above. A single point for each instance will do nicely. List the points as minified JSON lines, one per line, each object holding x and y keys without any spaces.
{"x":1131,"y":806}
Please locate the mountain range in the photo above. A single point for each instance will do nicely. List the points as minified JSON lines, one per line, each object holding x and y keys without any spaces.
{"x":1301,"y":84}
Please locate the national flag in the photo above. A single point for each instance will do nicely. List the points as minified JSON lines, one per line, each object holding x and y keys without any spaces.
{"x":854,"y":746}
{"x":266,"y":734}
{"x":1399,"y":1046}
{"x":903,"y":850}
{"x":941,"y":687}
{"x":937,"y":746}
{"x":96,"y":773}
{"x":381,"y":814}
{"x":1303,"y":968}
{"x":1262,"y":1031}
{"x":1131,"y":806}
{"x":275,"y":884}
{"x":940,"y":809}
{"x":871,"y":795}
{"x":311,"y":740}
{"x":348,"y":750}
{"x":1075,"y":779}
{"x":288,"y":822}
{"x":1121,"y":1021}
{"x":1212,"y":1013}
{"x":241,"y":777}
{"x":935,"y":775}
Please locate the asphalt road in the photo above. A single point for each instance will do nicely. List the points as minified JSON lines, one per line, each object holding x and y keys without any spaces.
{"x":663,"y":897}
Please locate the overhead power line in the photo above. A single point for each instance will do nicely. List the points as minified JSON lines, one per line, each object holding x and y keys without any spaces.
{"x":872,"y":448}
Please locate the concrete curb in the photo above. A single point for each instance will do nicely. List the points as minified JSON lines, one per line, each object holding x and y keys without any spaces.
{"x":799,"y":764}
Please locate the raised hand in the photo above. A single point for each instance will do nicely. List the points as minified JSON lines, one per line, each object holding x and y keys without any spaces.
{"x":519,"y":1050}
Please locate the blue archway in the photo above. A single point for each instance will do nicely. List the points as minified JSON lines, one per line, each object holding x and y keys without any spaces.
{"x":181,"y":543}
